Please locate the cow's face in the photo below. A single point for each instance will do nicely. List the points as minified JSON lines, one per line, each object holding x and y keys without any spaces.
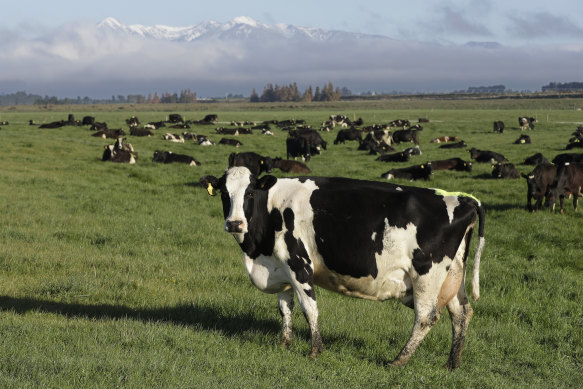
{"x":239,"y":190}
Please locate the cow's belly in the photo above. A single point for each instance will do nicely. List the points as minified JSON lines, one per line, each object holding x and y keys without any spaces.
{"x":267,"y":273}
{"x":391,"y":284}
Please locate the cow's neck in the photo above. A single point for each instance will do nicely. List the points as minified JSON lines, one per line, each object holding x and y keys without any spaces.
{"x":260,"y":237}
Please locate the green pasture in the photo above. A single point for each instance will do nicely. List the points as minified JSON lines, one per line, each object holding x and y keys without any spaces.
{"x":115,"y":275}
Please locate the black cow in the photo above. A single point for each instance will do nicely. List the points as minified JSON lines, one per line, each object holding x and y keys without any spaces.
{"x":314,"y":139}
{"x":175,"y":118}
{"x":135,"y":131}
{"x":569,"y":182}
{"x":57,"y":124}
{"x":536,"y":159}
{"x":486,"y":155}
{"x":348,"y":134}
{"x":88,"y":120}
{"x":526,"y":122}
{"x":256,"y":163}
{"x":562,"y":159}
{"x":538,"y":183}
{"x":456,"y":164}
{"x":416,"y":172}
{"x":413,"y":245}
{"x":523,"y":139}
{"x":288,"y":166}
{"x":230,"y":142}
{"x":170,"y":157}
{"x":459,"y":145}
{"x":227,"y":131}
{"x":577,"y":143}
{"x":395,"y":157}
{"x":98,"y":126}
{"x":210,"y":118}
{"x":504,"y":170}
{"x":405,"y":136}
{"x":297,"y":147}
{"x":499,"y":126}
{"x":109,"y":133}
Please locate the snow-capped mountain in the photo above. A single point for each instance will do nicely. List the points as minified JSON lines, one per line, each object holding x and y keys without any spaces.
{"x":241,"y":27}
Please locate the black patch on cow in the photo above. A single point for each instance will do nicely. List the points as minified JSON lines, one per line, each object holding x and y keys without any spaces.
{"x":276,"y":219}
{"x":349,"y":223}
{"x":288,"y":218}
{"x":260,"y":238}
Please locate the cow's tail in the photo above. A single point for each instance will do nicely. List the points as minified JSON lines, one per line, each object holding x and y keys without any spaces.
{"x":481,"y":242}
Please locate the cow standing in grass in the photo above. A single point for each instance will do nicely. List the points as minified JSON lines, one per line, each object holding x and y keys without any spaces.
{"x":364,"y":239}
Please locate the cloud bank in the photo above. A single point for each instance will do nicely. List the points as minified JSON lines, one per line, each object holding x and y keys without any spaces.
{"x":84,"y":60}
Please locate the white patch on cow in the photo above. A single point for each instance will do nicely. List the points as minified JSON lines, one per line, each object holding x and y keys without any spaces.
{"x":390,"y":176}
{"x":450,"y":203}
{"x":399,"y":189}
{"x":267,"y":274}
{"x":373,"y":236}
{"x":238,"y":180}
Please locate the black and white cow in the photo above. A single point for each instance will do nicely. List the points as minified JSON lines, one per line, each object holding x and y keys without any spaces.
{"x":523,"y":139}
{"x":526,"y":122}
{"x":364,"y":239}
{"x":170,"y":157}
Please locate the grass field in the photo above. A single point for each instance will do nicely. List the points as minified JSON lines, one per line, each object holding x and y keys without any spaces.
{"x":115,"y":275}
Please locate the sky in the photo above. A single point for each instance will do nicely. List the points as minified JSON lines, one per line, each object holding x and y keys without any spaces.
{"x":542,"y":41}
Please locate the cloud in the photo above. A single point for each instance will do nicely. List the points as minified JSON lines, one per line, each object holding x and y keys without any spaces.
{"x":80,"y":60}
{"x":531,"y":25}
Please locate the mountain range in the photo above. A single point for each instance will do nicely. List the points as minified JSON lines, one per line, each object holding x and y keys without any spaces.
{"x":241,"y":27}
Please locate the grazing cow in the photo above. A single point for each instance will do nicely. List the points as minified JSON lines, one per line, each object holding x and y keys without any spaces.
{"x":256,"y":163}
{"x":230,"y":142}
{"x":175,"y":118}
{"x":314,"y":139}
{"x":569,"y":182}
{"x":561,"y":159}
{"x":291,"y":166}
{"x":395,"y":157}
{"x":499,"y":126}
{"x":135,"y":131}
{"x":504,"y":170}
{"x":536,"y":159}
{"x":538,"y":183}
{"x":486,"y":156}
{"x":88,"y":120}
{"x":170,"y":157}
{"x":297,"y":147}
{"x":415,"y":172}
{"x":173,"y":137}
{"x":526,"y":122}
{"x":348,"y":134}
{"x":112,"y":134}
{"x":459,"y":145}
{"x":522,"y":140}
{"x":412,"y":244}
{"x":445,"y":138}
{"x":456,"y":164}
{"x":405,"y":136}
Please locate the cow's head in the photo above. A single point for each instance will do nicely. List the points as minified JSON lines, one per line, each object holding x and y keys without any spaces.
{"x":242,"y":195}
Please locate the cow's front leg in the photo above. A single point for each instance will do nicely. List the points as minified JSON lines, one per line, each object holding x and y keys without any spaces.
{"x":285,"y":302}
{"x":307,"y":300}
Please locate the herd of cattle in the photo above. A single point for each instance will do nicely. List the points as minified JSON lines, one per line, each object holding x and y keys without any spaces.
{"x":550,"y":180}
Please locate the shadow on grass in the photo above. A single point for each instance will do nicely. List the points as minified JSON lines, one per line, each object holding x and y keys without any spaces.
{"x":202,"y":317}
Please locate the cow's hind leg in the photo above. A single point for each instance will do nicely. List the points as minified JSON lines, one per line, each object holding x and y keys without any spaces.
{"x":460,"y":312}
{"x":285,"y":302}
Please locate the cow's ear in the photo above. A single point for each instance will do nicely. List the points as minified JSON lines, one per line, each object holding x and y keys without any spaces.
{"x":211,"y":183}
{"x":265,"y":182}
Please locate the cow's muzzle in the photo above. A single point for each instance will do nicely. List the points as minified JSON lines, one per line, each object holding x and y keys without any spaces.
{"x":234,"y":226}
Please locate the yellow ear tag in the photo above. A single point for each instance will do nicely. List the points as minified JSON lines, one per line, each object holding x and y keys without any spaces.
{"x":209,"y":189}
{"x":261,"y":162}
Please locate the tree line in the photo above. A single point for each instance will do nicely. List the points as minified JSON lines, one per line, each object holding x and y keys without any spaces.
{"x":284,"y":93}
